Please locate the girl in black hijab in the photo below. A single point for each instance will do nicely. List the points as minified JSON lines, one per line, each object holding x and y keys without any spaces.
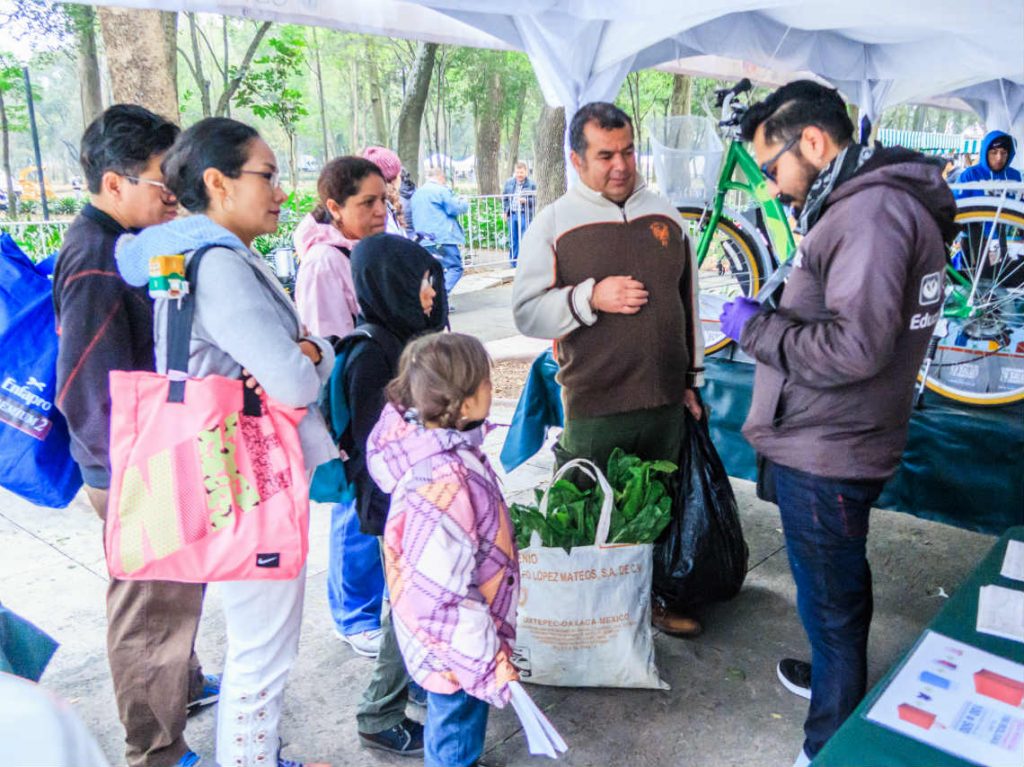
{"x":399,"y":286}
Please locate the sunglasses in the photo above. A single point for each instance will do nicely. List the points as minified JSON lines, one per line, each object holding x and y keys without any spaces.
{"x":768,"y":168}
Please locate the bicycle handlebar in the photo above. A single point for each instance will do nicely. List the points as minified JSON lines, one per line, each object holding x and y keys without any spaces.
{"x":742,"y":86}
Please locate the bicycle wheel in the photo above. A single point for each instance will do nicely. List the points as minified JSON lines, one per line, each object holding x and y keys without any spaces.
{"x":979,"y":357}
{"x":732,"y":267}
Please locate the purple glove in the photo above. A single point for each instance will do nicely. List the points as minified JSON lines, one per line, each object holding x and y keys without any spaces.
{"x":735,"y":315}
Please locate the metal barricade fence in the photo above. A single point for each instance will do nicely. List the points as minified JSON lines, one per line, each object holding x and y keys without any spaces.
{"x":488,"y":236}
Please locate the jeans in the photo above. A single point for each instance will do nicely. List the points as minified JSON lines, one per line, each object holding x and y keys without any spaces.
{"x":451,"y":262}
{"x":455,"y":729}
{"x":825,"y":522}
{"x":355,"y":576}
{"x":517,"y":224}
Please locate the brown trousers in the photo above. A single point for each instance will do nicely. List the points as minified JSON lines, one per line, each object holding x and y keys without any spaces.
{"x":151,"y":634}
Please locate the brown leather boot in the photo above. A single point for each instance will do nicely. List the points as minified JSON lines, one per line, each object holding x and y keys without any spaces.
{"x":672,"y":623}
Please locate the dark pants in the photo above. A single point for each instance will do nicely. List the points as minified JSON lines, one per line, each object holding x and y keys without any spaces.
{"x":151,"y":634}
{"x":385,"y":697}
{"x":455,"y":729}
{"x":825,"y":522}
{"x":653,"y":435}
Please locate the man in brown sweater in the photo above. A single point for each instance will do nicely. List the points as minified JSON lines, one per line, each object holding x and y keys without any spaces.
{"x":836,"y":365}
{"x":608,"y":273}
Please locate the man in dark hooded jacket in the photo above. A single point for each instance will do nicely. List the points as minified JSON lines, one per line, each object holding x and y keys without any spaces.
{"x":997,"y":152}
{"x":836,"y":365}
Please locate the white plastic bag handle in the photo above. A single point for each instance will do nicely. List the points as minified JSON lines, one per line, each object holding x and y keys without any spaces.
{"x":589,"y":468}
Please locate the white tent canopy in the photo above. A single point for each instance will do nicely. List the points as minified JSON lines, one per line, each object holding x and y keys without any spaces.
{"x":878,"y":52}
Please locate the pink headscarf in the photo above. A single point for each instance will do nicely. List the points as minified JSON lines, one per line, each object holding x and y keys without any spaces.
{"x":388,"y":162}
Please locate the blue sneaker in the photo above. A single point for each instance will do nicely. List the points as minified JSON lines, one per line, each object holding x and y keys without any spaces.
{"x":417,"y":695}
{"x":189,"y":759}
{"x":208,"y":696}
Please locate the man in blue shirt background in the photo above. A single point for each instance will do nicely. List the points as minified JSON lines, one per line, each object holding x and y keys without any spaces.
{"x":435,"y":213}
{"x":519,"y":203}
{"x":997,"y":151}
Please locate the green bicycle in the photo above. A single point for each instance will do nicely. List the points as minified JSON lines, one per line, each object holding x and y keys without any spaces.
{"x":977,"y":350}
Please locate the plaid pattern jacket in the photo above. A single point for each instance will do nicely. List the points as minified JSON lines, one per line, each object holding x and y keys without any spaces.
{"x":450,"y":557}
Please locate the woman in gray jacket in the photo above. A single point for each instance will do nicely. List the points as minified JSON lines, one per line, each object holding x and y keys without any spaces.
{"x":244,"y":325}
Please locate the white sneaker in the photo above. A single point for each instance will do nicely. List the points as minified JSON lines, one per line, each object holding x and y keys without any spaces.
{"x":365,"y":643}
{"x":802,"y":759}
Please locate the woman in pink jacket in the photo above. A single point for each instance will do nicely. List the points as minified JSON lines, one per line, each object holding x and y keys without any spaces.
{"x":353,"y":205}
{"x":449,"y":547}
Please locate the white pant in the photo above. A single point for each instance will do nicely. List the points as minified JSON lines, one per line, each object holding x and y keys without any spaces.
{"x":263,"y":622}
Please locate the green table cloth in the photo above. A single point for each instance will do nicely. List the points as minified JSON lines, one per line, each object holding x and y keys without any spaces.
{"x":862,"y":743}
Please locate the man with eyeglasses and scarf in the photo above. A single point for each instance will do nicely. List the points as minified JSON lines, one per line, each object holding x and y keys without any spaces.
{"x":836,"y":365}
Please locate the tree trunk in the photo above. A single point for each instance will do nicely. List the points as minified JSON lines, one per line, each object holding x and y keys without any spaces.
{"x":549,"y":154}
{"x":227,"y":65}
{"x":410,"y":117}
{"x":88,"y":65}
{"x":197,"y":66}
{"x":376,"y":97}
{"x":682,"y":94}
{"x":5,"y":158}
{"x":516,"y":134}
{"x":318,"y":71}
{"x":224,"y":103}
{"x":354,"y":138}
{"x":488,"y":138}
{"x":293,"y":161}
{"x":142,"y":56}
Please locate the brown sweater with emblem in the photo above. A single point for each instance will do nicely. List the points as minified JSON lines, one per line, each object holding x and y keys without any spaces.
{"x":612,"y":363}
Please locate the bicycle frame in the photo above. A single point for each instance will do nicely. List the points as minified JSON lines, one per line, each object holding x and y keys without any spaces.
{"x":780,"y":238}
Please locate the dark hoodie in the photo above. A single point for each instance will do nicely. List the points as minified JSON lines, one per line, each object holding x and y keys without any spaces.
{"x":387,"y":271}
{"x":983,"y":171}
{"x":838,"y":361}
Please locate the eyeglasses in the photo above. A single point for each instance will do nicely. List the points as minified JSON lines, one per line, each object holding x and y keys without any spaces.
{"x":151,"y":182}
{"x":770,"y":174}
{"x":273,"y":178}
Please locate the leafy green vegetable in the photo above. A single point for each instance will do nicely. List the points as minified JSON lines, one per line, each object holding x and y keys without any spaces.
{"x":642,"y":507}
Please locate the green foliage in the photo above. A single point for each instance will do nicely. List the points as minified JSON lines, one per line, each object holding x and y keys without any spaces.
{"x":642,"y":507}
{"x":27,"y":207}
{"x":66,"y":206}
{"x":267,"y":88}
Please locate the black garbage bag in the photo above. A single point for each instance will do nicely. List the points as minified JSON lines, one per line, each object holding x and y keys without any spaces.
{"x":702,"y":556}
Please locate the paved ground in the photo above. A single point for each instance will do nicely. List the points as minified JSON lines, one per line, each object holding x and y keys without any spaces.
{"x":725,"y":706}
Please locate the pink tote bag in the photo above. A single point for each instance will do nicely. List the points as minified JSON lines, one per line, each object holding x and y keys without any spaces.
{"x":208,"y":481}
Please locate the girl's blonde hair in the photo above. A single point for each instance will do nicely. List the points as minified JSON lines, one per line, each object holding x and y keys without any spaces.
{"x":436,"y":374}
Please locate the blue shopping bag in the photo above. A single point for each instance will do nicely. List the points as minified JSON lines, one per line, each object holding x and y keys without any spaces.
{"x":35,"y":454}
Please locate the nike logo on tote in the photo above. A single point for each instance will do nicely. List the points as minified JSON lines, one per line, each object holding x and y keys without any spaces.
{"x":268,"y":560}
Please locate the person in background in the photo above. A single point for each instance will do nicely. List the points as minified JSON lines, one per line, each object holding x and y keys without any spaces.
{"x":106,"y":324}
{"x":406,"y":189}
{"x":391,"y":168}
{"x":436,"y":210}
{"x":451,"y":557}
{"x":353,"y":205}
{"x":245,"y":326}
{"x":997,"y":152}
{"x":398,"y":283}
{"x":519,"y":202}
